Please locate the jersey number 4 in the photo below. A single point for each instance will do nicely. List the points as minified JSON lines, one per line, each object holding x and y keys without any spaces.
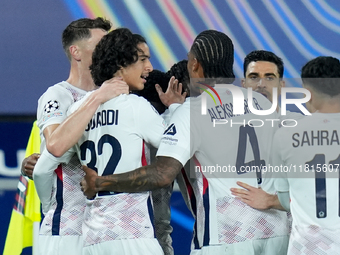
{"x":257,"y":164}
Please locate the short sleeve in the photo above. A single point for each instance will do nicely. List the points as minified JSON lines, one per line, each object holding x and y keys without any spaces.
{"x":52,"y":106}
{"x":149,"y":125}
{"x":175,"y":142}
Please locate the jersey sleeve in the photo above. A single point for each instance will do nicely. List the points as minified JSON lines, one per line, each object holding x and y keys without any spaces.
{"x":169,"y":112}
{"x":149,"y":125}
{"x":175,"y":142}
{"x":43,"y":175}
{"x":52,"y":106}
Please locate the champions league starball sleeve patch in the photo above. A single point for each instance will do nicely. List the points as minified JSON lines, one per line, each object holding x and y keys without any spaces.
{"x":51,"y":106}
{"x":52,"y":109}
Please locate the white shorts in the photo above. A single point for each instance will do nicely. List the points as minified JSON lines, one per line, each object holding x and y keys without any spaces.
{"x":140,"y":246}
{"x":268,"y":246}
{"x":60,"y":245}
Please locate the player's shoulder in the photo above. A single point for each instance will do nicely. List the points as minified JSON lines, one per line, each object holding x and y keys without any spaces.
{"x":135,"y":100}
{"x":63,"y":85}
{"x":137,"y":103}
{"x":289,"y":127}
{"x":59,"y":89}
{"x":189,"y":104}
{"x":294,"y":115}
{"x":319,"y":120}
{"x":77,"y":104}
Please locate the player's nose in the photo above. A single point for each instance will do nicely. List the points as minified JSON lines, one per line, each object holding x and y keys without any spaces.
{"x":148,"y":66}
{"x":261,"y":83}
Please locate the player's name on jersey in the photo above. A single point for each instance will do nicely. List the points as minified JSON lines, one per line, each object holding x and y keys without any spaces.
{"x":315,"y":137}
{"x":225,"y":111}
{"x":103,"y":118}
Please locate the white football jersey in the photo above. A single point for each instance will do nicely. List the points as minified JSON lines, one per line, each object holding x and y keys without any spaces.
{"x":226,"y":148}
{"x":311,"y":152}
{"x":65,"y":215}
{"x":113,"y":143}
{"x":53,"y":105}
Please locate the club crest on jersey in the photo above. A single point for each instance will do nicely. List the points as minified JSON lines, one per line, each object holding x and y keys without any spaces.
{"x":51,"y":106}
{"x":171,"y":130}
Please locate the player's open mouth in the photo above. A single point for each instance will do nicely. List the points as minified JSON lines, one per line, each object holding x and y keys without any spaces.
{"x":144,"y":77}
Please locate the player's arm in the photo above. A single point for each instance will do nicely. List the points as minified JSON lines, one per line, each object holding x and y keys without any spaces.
{"x":256,"y":197}
{"x":162,"y":217}
{"x":284,"y":199}
{"x":61,"y":137}
{"x":157,"y":175}
{"x":43,"y":176}
{"x":27,"y":165}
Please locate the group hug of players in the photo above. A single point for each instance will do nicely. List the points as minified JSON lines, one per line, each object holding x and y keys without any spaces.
{"x":96,"y":130}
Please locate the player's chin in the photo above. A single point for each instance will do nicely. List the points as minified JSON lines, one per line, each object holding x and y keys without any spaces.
{"x":139,"y":86}
{"x":265,"y":95}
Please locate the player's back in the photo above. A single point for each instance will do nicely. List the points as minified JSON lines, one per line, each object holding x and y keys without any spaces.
{"x":230,"y":148}
{"x":312,"y":149}
{"x":113,"y":143}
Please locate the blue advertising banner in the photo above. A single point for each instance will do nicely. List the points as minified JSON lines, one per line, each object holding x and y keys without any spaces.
{"x":13,"y":140}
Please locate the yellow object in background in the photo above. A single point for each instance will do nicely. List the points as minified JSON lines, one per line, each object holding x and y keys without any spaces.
{"x":26,"y":210}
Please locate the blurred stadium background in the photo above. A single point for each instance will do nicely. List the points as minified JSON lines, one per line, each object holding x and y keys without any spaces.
{"x":32,"y":59}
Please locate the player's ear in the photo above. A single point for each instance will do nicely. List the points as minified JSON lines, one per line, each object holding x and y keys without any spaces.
{"x":75,"y":53}
{"x":282,"y":83}
{"x":243,"y":82}
{"x":195,"y":64}
{"x":198,"y":68}
{"x":120,"y":73}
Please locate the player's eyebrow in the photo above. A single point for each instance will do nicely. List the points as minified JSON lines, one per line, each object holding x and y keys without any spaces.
{"x":270,"y":74}
{"x":266,"y":74}
{"x":144,"y":56}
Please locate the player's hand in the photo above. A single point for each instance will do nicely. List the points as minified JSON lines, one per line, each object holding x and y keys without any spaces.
{"x":88,"y":183}
{"x":112,"y":88}
{"x":27,"y":165}
{"x":173,"y":93}
{"x":254,"y":197}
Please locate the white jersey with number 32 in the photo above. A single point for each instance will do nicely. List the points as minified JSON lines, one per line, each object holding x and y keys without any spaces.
{"x":113,"y":143}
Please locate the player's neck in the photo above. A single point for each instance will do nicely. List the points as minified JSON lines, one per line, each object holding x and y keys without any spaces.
{"x":81,"y":79}
{"x":328,"y":105}
{"x":329,"y":109}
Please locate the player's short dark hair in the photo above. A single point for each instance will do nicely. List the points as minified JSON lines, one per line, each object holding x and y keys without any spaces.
{"x":214,"y":50}
{"x":150,"y":93}
{"x":263,"y":55}
{"x":117,"y":49}
{"x":322,"y":74}
{"x":180,"y":71}
{"x":80,"y":30}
